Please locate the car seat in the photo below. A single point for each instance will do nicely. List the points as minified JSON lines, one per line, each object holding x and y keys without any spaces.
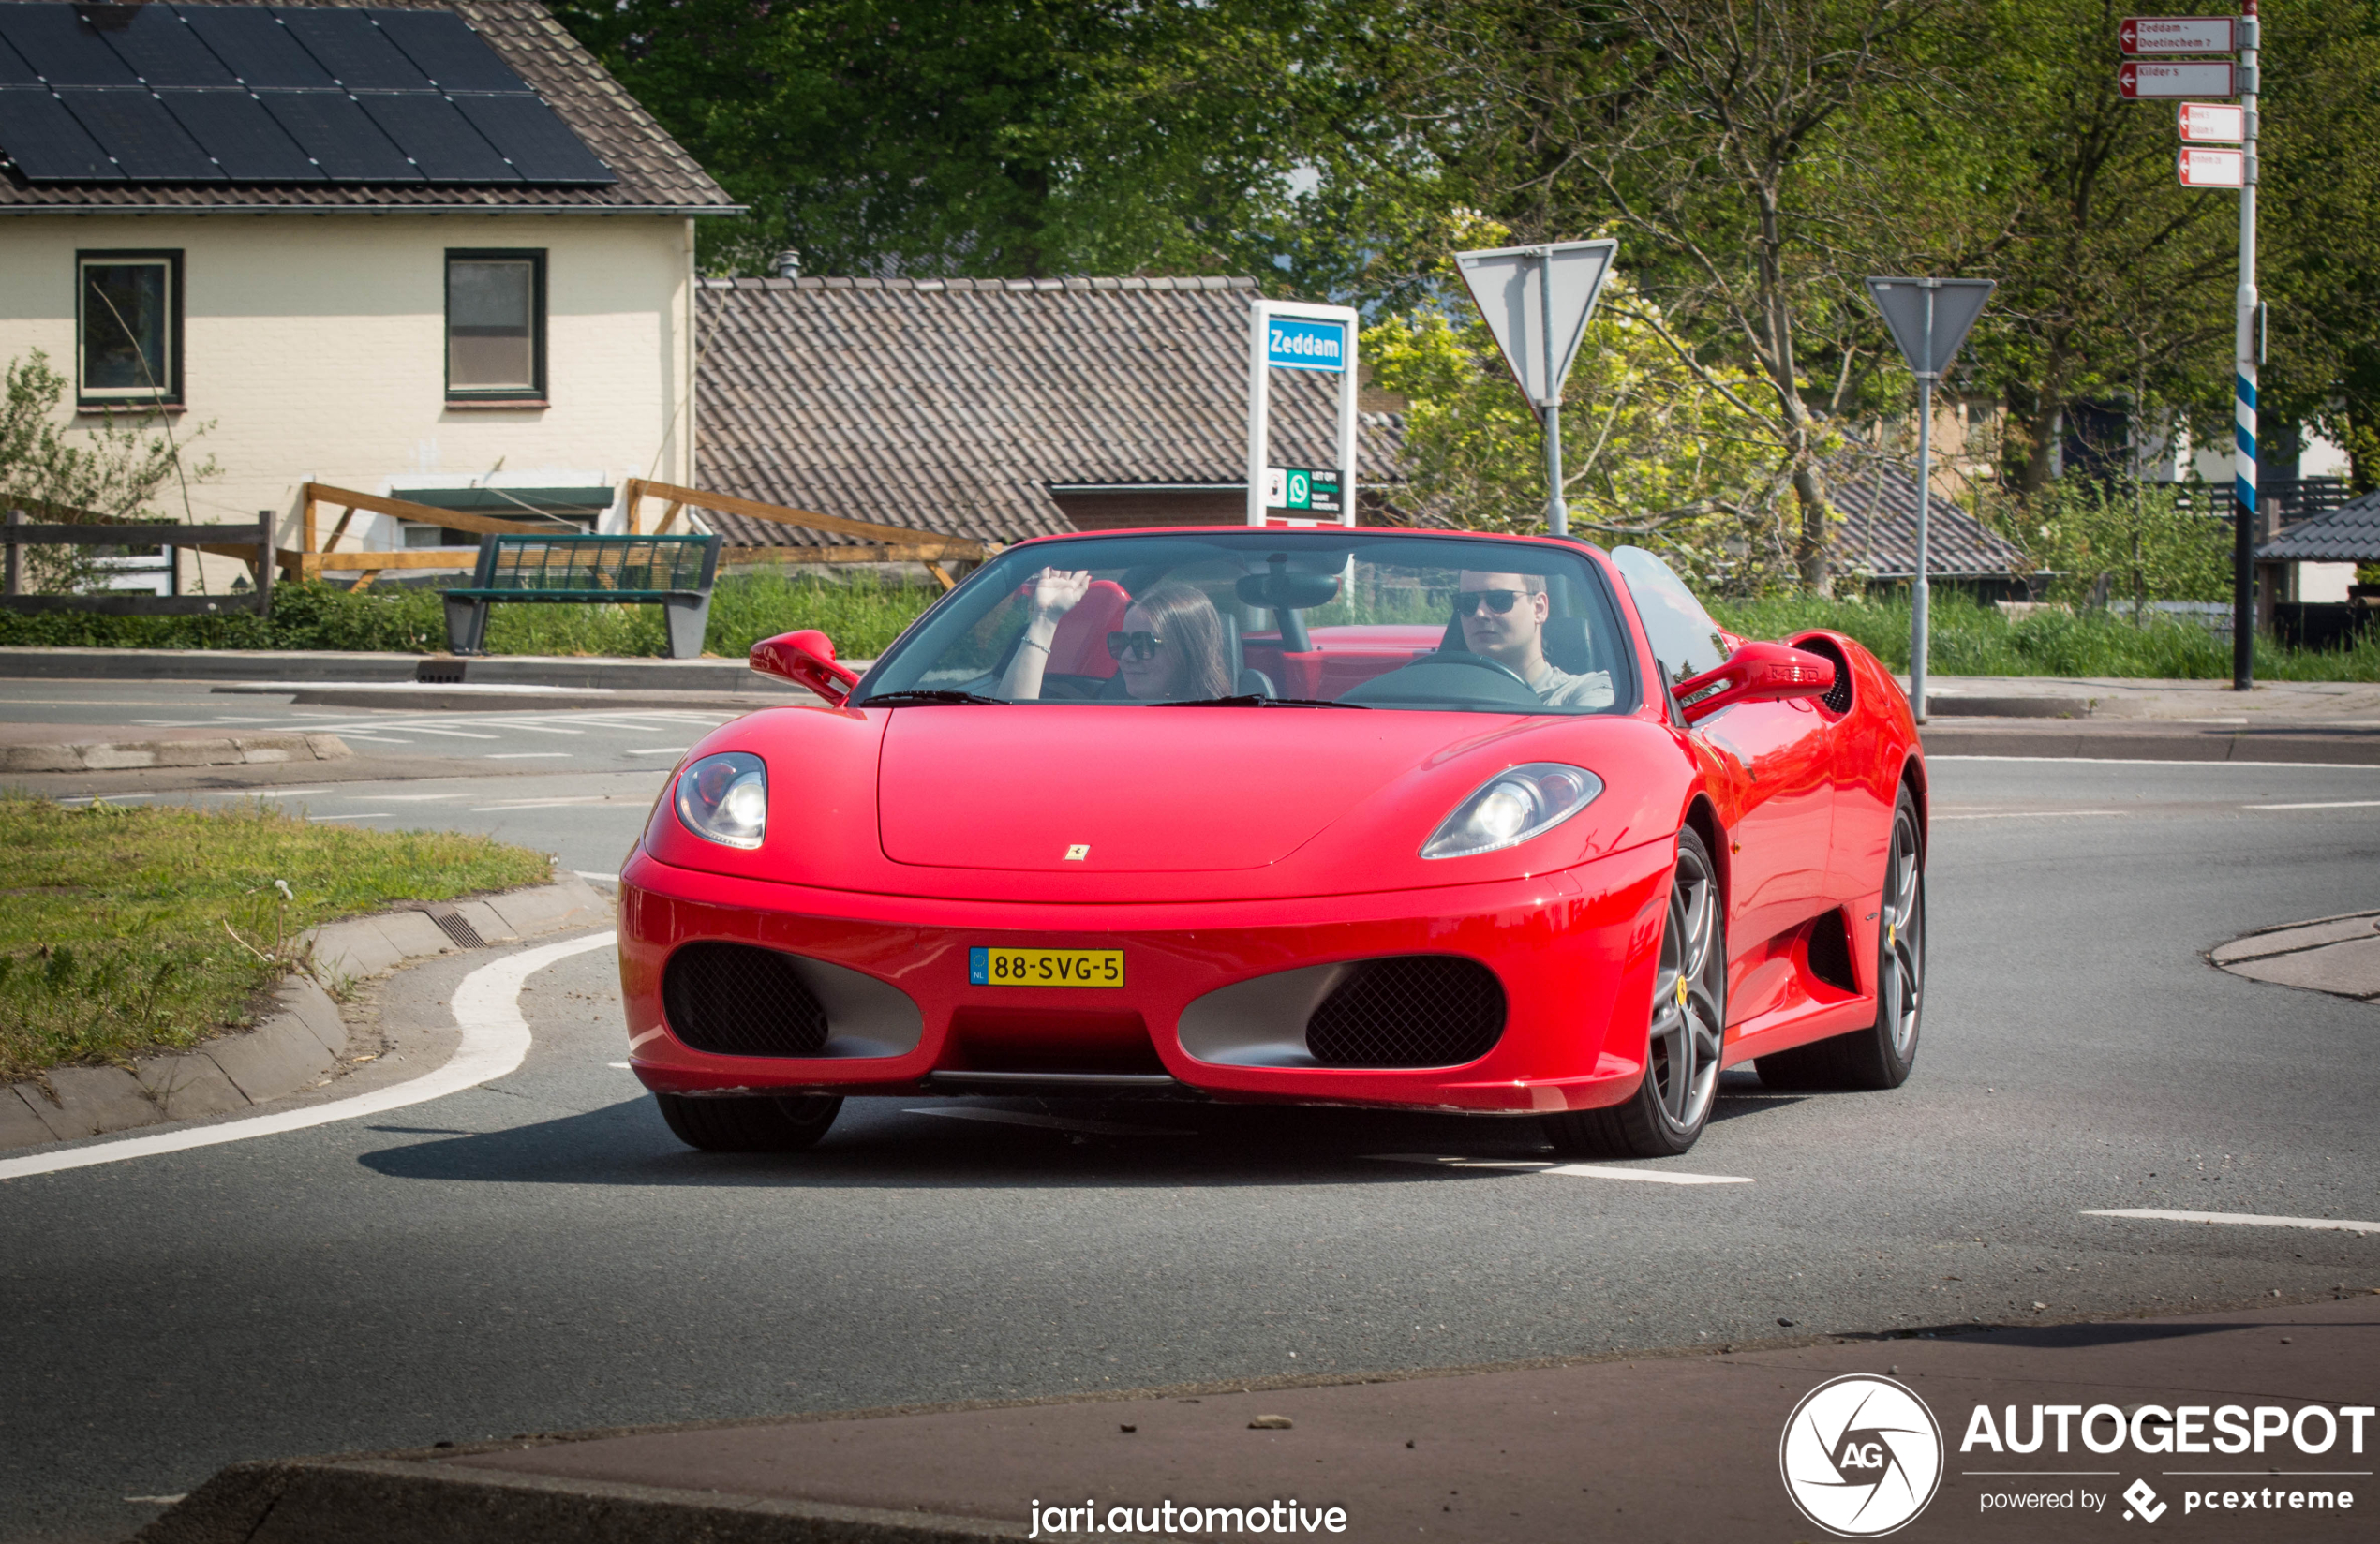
{"x":1568,"y":646}
{"x":1079,"y":647}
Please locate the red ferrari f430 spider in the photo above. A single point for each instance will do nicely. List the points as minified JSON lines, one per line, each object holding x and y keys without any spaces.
{"x":1499,"y":824}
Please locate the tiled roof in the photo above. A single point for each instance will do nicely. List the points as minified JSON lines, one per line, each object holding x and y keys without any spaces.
{"x":1877,"y":504}
{"x":2348,"y":534}
{"x":654,"y":173}
{"x":954,"y":405}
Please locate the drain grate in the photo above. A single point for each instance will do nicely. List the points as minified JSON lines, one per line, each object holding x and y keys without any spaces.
{"x":456,"y":925}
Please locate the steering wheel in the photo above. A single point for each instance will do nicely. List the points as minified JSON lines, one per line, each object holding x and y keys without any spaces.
{"x":1464,"y":657}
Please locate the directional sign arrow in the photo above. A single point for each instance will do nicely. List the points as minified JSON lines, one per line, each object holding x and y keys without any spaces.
{"x":2128,"y":35}
{"x":1509,"y":284}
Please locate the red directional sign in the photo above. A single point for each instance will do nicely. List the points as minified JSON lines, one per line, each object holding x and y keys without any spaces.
{"x":2212,"y":123}
{"x":2210,"y":78}
{"x":2213,"y":168}
{"x":2176,"y":35}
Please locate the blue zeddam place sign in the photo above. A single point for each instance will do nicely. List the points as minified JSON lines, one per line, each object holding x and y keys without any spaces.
{"x":1292,"y":343}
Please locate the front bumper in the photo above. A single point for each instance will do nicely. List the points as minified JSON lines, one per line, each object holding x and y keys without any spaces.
{"x":1574,"y":952}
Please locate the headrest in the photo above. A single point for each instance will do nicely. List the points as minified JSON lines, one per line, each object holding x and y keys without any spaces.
{"x":1079,"y":647}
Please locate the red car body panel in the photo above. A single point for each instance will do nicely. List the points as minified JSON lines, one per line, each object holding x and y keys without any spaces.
{"x":1225,"y":844}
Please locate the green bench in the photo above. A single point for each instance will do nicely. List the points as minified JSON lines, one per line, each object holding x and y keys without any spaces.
{"x":673,"y":572}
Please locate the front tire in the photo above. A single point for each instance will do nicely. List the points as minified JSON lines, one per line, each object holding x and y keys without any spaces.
{"x":1881,"y":1055}
{"x":750,"y":1125}
{"x":1670,"y":1108}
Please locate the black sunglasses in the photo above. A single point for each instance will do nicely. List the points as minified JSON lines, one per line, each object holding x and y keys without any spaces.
{"x":1140,"y":645}
{"x":1468,"y":601}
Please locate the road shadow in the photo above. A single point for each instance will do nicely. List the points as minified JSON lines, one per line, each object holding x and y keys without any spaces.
{"x":974,"y":1144}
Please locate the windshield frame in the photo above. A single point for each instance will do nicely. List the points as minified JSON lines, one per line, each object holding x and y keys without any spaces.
{"x":1600,"y":593}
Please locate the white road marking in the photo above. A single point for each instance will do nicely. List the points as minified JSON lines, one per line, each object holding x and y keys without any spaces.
{"x":2333,"y":803}
{"x":2159,"y":761}
{"x":371,"y":739}
{"x":414,"y":799}
{"x":268,"y":794}
{"x":1055,"y":1122}
{"x":457,"y":733}
{"x":538,"y":804}
{"x":1577,"y":1171}
{"x":2034,"y":814}
{"x":534,"y":729}
{"x":621,"y":1065}
{"x":495,"y":1040}
{"x":529,"y":756}
{"x":608,"y":879}
{"x":2207,"y":720}
{"x":661,"y":750}
{"x":2244,"y":1219}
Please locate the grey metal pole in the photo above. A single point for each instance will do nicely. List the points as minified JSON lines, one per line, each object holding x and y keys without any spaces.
{"x":1557,"y":509}
{"x":2243,"y":477}
{"x":1921,"y":593}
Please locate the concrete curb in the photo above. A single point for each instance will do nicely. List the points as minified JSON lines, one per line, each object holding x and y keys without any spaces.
{"x":2108,"y":742}
{"x":2338,"y":955}
{"x":396,"y":1501}
{"x":117,"y":755}
{"x":297,"y":1045}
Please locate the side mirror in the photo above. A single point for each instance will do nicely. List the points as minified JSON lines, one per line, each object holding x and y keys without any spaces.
{"x":1756,"y":673}
{"x":805,"y":659}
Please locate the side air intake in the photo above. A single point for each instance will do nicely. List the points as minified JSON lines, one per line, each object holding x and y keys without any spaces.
{"x":1408,"y":1011}
{"x":734,"y":999}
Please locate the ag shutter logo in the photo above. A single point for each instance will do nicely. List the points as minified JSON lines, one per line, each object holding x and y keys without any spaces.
{"x":2144,"y":1500}
{"x":1861,"y":1456}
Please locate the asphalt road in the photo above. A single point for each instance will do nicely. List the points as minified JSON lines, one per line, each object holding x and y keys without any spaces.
{"x":539,"y":1254}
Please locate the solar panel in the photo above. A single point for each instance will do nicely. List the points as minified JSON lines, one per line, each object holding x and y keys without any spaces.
{"x":46,"y":143}
{"x":539,"y":145}
{"x":160,"y":49}
{"x":330,"y":128}
{"x":62,"y":46}
{"x":347,"y":44}
{"x":233,"y":127}
{"x":14,"y":71}
{"x":448,"y":51}
{"x":257,"y":48}
{"x":134,"y":127}
{"x":198,"y":93}
{"x":441,"y":140}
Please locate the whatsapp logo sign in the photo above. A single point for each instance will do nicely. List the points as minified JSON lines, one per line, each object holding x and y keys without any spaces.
{"x":1861,"y":1456}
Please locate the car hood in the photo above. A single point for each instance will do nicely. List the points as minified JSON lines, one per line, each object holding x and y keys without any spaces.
{"x":1137,"y":790}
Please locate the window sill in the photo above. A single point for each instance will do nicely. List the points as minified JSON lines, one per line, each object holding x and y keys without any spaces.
{"x":145,"y":409}
{"x":496,"y":404}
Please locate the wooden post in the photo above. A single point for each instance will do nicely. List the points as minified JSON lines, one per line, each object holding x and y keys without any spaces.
{"x":363,"y":581}
{"x":669,"y":518}
{"x":336,"y":532}
{"x":635,"y":494}
{"x":310,"y":520}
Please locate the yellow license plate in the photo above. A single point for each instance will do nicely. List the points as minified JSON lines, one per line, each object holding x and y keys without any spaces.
{"x":1045,"y":967}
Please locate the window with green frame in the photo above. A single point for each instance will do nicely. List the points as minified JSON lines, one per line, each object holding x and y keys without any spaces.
{"x":128,"y":315}
{"x":495,"y":325}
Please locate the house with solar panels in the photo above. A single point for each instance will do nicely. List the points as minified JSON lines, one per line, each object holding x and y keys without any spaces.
{"x":427,"y":251}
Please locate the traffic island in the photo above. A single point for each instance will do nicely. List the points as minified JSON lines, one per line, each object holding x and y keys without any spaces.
{"x":1580,"y":1450}
{"x":2338,"y":955}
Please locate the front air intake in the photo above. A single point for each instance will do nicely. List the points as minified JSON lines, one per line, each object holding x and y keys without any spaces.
{"x":734,"y":999}
{"x":1409,"y":1011}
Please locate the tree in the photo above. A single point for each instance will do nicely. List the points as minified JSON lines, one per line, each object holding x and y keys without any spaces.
{"x":104,"y":475}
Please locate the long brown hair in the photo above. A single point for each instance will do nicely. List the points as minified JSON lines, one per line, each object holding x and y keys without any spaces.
{"x":1187,"y":622}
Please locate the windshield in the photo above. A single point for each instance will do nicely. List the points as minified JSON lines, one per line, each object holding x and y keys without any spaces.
{"x":1338,"y":618}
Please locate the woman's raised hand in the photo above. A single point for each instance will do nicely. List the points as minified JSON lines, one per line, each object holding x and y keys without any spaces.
{"x":1058,"y":591}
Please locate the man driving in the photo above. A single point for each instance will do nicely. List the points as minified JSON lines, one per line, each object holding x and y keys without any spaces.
{"x":1503,"y":617}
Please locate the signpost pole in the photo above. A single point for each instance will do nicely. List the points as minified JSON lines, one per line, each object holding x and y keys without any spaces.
{"x":2243,"y":479}
{"x":1259,"y":408}
{"x":1921,"y":593}
{"x":1557,"y":509}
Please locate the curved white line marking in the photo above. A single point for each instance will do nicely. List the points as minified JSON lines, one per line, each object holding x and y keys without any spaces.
{"x":495,"y":1040}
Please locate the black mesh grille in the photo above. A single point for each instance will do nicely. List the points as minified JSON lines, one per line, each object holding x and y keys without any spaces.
{"x":733,"y":1000}
{"x":1839,"y":696}
{"x":1413,"y":1010}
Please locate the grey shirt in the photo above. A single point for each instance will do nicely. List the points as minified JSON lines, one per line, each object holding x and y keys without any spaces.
{"x":1560,"y":689}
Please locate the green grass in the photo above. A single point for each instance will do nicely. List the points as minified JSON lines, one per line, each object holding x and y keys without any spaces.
{"x":117,"y":935}
{"x":1967,"y":638}
{"x":863,"y":616}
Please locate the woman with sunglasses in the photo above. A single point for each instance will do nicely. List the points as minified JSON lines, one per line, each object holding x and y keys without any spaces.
{"x":1168,"y":648}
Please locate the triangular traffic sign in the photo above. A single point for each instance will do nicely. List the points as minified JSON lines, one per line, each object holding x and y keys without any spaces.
{"x":1954,"y":305}
{"x":1510,"y":285}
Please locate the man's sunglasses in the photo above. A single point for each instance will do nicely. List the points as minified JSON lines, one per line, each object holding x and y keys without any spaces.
{"x":1140,"y":645}
{"x":1468,"y":601}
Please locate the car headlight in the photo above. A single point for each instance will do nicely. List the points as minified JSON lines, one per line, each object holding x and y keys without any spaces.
{"x":724,"y":798}
{"x":1516,"y":804}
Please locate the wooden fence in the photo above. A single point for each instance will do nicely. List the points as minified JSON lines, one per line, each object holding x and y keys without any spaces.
{"x":18,"y":533}
{"x":864,"y":540}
